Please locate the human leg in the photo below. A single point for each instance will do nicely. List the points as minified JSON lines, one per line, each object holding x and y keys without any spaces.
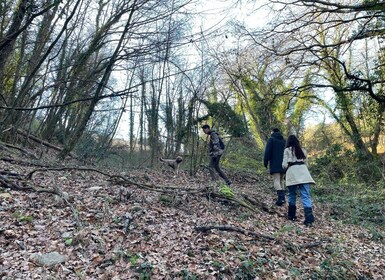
{"x":215,"y":164}
{"x":307,"y":204}
{"x":292,"y":195}
{"x":277,"y":181}
{"x":305,"y":195}
{"x":292,"y":199}
{"x":211,"y":169}
{"x":278,"y":186}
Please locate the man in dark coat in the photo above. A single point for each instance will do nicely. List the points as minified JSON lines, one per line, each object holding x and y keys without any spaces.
{"x":215,"y":151}
{"x":274,"y":154}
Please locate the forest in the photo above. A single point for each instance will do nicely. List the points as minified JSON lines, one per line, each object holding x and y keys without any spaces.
{"x":93,"y":93}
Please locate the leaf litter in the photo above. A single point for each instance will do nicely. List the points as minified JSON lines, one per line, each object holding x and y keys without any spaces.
{"x":146,"y":236}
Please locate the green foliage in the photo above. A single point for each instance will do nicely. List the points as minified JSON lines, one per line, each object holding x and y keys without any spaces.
{"x":377,"y":234}
{"x":339,"y":164}
{"x":265,"y":110}
{"x":220,"y":266}
{"x":187,"y":275}
{"x":242,"y":154}
{"x":330,"y":167}
{"x":247,"y":270}
{"x":369,"y":172}
{"x":301,"y":105}
{"x":225,"y":117}
{"x":22,"y":218}
{"x":226,"y":191}
{"x":355,"y":203}
{"x":127,"y":256}
{"x":333,"y":268}
{"x":134,"y":259}
{"x":88,"y":147}
{"x":145,"y":270}
{"x":167,"y":199}
{"x":244,"y":216}
{"x":68,"y":241}
{"x":116,"y":219}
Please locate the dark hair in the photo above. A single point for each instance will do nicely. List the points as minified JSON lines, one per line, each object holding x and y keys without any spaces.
{"x":275,"y":129}
{"x":205,"y":126}
{"x":293,"y":142}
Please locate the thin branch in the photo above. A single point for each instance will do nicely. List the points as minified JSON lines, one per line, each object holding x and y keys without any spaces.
{"x":235,"y":229}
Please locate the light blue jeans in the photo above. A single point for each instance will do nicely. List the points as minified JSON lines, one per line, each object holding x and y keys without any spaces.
{"x":304,"y":190}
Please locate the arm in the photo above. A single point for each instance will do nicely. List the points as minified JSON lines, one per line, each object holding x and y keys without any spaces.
{"x":215,"y":144}
{"x":285,"y":159}
{"x":268,"y":152}
{"x":305,"y":153}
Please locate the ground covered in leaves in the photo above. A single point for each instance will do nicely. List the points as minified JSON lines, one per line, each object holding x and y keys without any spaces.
{"x":144,"y":224}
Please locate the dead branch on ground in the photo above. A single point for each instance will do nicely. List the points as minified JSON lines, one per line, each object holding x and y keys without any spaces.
{"x":259,"y":204}
{"x":23,"y":151}
{"x":235,"y":229}
{"x":22,"y":162}
{"x":36,"y":139}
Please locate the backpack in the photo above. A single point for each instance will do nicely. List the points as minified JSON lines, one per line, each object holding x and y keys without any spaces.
{"x":221,"y":144}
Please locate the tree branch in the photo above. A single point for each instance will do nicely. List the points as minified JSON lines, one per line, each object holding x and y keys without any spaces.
{"x":235,"y":229}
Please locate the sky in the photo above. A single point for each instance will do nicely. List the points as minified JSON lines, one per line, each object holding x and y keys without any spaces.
{"x":213,"y":15}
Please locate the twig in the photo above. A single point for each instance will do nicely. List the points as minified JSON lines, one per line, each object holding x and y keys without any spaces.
{"x":19,"y":149}
{"x":236,"y":229}
{"x":34,"y":138}
{"x":21,"y":162}
{"x":9,"y":184}
{"x":234,"y":199}
{"x":259,"y":204}
{"x":56,"y":191}
{"x":30,"y":174}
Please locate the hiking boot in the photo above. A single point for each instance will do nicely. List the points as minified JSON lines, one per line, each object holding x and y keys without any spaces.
{"x":281,"y":198}
{"x":291,"y":212}
{"x":309,"y":218}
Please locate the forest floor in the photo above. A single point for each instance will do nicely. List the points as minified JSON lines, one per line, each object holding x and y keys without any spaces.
{"x":143,"y":224}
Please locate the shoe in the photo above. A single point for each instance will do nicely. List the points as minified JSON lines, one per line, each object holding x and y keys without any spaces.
{"x":291,"y":212}
{"x":309,"y":218}
{"x":281,"y":198}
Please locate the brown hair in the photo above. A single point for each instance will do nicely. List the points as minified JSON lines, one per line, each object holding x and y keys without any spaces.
{"x":293,"y":142}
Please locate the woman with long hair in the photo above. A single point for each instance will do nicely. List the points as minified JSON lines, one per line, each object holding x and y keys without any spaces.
{"x":297,"y":177}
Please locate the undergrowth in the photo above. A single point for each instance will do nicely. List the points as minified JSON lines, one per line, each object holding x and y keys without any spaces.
{"x":355,"y":203}
{"x":354,"y":189}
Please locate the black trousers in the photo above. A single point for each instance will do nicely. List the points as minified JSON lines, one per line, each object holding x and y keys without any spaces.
{"x":214,"y":165}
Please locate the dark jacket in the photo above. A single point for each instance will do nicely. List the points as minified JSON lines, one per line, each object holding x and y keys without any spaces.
{"x":274,"y":153}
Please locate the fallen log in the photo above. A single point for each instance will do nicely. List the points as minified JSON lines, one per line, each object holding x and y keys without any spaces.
{"x":40,"y":141}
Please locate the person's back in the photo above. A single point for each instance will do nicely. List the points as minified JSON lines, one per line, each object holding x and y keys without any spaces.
{"x":297,"y":177}
{"x":215,"y":148}
{"x":274,"y":152}
{"x":274,"y":155}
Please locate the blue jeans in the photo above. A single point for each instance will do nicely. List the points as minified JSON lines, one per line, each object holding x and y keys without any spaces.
{"x":304,"y":190}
